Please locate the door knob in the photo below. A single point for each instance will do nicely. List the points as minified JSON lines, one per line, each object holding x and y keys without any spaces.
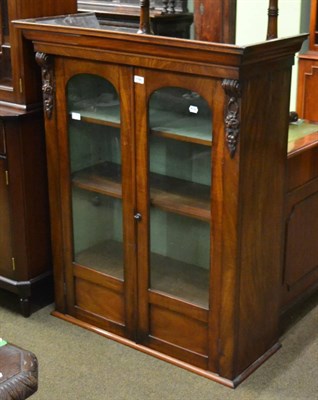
{"x":137,"y":217}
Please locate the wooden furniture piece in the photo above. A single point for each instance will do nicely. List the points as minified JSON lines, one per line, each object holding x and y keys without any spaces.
{"x":25,"y":257}
{"x":167,"y":17}
{"x":215,"y":20}
{"x":18,"y":372}
{"x":152,"y":246}
{"x":307,"y":95}
{"x":300,"y":266}
{"x":300,"y":273}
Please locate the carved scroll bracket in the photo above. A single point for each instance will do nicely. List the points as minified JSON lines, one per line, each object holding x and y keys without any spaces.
{"x":46,"y":64}
{"x":232,"y":121}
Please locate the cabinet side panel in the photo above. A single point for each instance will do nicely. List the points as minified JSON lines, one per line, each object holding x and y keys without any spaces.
{"x":5,"y":224}
{"x":52,"y":155}
{"x":36,"y":195}
{"x":263,"y":166}
{"x":17,"y":197}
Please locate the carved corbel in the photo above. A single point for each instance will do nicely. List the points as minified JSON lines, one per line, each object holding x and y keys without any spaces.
{"x":232,"y":89}
{"x":46,"y":64}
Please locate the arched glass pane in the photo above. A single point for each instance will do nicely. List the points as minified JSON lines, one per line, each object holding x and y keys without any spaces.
{"x":180,"y":142}
{"x":95,"y":163}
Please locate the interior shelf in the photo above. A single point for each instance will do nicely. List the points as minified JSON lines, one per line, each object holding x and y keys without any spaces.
{"x":188,"y":128}
{"x":107,"y":115}
{"x":104,"y":178}
{"x":105,"y":257}
{"x":179,"y":279}
{"x":180,"y":196}
{"x":170,"y":194}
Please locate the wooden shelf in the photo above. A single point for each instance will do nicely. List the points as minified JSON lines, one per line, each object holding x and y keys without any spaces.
{"x":106,"y":257}
{"x":108,"y":115}
{"x":188,"y":128}
{"x":102,"y":178}
{"x":170,"y":194}
{"x":179,"y":279}
{"x":180,"y":196}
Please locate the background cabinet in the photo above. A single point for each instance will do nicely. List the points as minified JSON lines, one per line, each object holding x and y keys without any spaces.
{"x":25,"y":256}
{"x":300,"y":273}
{"x":168,"y":18}
{"x":215,"y":20}
{"x":307,"y":95}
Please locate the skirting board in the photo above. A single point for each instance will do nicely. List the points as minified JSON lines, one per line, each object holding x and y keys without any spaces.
{"x":206,"y":374}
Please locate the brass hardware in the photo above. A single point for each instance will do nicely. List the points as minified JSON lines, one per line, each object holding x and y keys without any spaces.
{"x":7,"y":177}
{"x":21,"y":85}
{"x":137,"y":217}
{"x":13,"y":263}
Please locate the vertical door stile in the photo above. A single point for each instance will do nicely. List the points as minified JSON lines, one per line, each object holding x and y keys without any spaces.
{"x":65,"y":191}
{"x":218,"y":146}
{"x":142,"y":161}
{"x":129,"y":198}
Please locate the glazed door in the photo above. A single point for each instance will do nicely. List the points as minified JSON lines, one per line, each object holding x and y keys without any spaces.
{"x":174,"y":142}
{"x":97,"y":186}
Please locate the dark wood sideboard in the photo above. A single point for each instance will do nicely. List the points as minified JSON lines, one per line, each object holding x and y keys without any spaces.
{"x":25,"y":255}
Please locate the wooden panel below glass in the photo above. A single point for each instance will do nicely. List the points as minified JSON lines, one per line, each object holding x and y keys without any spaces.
{"x":92,"y":297}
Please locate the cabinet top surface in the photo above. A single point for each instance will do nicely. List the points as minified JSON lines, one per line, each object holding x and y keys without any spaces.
{"x":84,"y":30}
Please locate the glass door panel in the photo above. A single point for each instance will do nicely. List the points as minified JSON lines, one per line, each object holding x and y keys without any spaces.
{"x":181,"y":114}
{"x":180,"y":256}
{"x":5,"y":50}
{"x":180,"y":141}
{"x":95,"y":157}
